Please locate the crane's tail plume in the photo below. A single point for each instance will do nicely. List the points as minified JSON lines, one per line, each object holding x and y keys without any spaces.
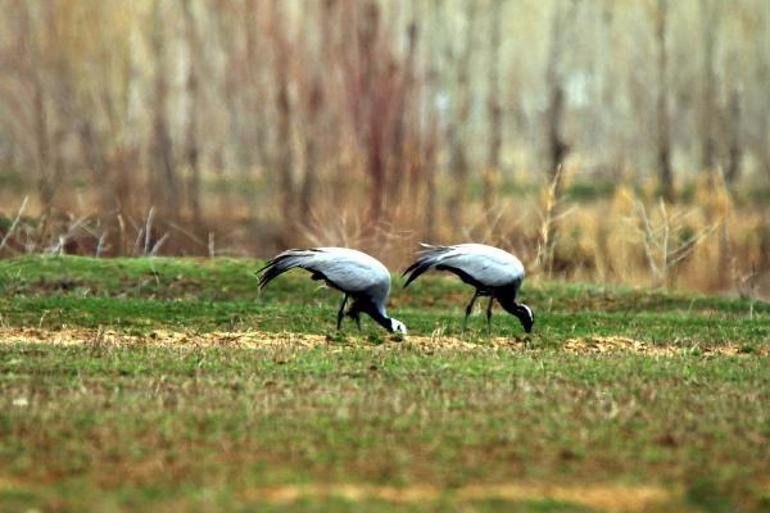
{"x":283,"y":262}
{"x":428,"y":258}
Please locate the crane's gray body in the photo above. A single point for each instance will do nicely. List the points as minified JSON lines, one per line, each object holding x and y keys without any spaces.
{"x":485,"y":267}
{"x":356,"y":274}
{"x":491,"y":271}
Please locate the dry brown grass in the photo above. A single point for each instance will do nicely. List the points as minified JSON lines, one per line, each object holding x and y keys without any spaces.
{"x":591,"y":345}
{"x":608,"y":498}
{"x":716,"y":241}
{"x":709,"y":244}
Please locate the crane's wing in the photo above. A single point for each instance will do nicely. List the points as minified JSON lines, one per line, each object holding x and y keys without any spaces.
{"x":350,"y":270}
{"x":478,"y":264}
{"x":345,"y":269}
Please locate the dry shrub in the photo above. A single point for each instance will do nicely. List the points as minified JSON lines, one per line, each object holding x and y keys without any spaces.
{"x":705,"y":245}
{"x":713,"y":242}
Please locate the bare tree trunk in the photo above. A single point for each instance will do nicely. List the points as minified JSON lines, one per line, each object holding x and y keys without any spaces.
{"x":557,"y":147}
{"x":376,"y":192}
{"x":429,"y":168}
{"x":402,"y":109}
{"x":375,"y":112}
{"x":46,"y":181}
{"x":285,"y":156}
{"x":315,"y":131}
{"x":709,"y":29}
{"x":610,"y":151}
{"x":662,"y":108}
{"x":92,"y":148}
{"x":256,"y":95}
{"x":431,"y":131}
{"x":760,"y":145}
{"x":310,"y":178}
{"x":224,"y":155}
{"x":495,"y":110}
{"x":735,"y":148}
{"x":192,"y":151}
{"x":285,"y":162}
{"x":163,"y":195}
{"x":458,"y":162}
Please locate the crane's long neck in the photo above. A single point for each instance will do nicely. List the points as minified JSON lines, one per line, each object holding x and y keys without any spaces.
{"x":379,"y":315}
{"x":519,"y":310}
{"x":511,"y":306}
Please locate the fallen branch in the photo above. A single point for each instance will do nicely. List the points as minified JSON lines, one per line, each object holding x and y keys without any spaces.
{"x":15,"y":223}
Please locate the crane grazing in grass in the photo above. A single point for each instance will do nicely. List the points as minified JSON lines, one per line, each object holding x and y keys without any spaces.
{"x":357,"y":275}
{"x":492,"y":271}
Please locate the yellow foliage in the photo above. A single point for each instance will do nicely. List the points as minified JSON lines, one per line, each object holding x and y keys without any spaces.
{"x":623,"y":200}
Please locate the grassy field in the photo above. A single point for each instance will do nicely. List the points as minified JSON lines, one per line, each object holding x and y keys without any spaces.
{"x":172,"y":385}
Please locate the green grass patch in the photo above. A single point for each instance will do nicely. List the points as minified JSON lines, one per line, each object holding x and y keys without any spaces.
{"x":221,"y":294}
{"x":119,"y":427}
{"x":157,"y":424}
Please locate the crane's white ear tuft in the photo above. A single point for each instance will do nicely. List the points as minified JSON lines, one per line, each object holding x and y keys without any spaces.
{"x":397,"y":326}
{"x":527,"y":317}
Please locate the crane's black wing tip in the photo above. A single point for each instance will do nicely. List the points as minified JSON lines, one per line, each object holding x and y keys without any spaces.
{"x":411,"y":268}
{"x":281,"y":263}
{"x":414,"y":270}
{"x":417,"y":269}
{"x":270,"y":271}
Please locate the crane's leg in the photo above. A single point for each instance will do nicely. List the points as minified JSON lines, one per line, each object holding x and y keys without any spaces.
{"x":469,"y":309}
{"x":354,"y":312}
{"x":489,"y":315}
{"x":341,"y":313}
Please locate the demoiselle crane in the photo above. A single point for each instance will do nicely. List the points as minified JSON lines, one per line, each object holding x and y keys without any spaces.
{"x":493,"y":272}
{"x":357,"y":275}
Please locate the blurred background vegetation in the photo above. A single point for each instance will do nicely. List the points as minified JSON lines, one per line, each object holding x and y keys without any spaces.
{"x":603,"y":140}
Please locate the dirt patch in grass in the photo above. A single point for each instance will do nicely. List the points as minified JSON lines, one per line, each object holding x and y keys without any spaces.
{"x":604,"y":345}
{"x":592,"y":345}
{"x":602,"y":497}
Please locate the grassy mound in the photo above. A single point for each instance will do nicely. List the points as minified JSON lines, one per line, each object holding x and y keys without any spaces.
{"x":172,"y":385}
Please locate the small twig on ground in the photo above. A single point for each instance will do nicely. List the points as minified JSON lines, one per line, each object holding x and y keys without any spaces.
{"x":148,"y":230}
{"x":156,"y":247}
{"x":138,"y":241}
{"x":101,"y":244}
{"x":122,"y":227}
{"x":72,"y":229}
{"x":187,"y":233}
{"x":15,"y":223}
